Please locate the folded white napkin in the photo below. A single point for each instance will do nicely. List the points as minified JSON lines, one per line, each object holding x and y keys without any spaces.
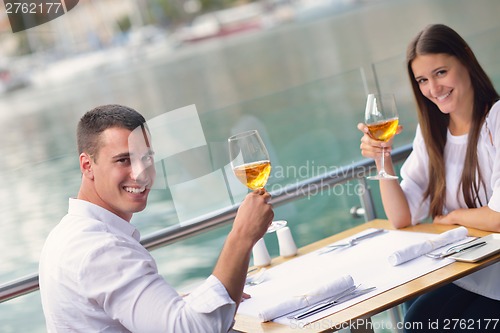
{"x":416,"y":250}
{"x":284,"y":306}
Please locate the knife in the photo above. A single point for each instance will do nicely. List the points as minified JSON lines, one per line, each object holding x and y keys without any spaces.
{"x":367,"y":235}
{"x":462,"y":249}
{"x":327,"y":305}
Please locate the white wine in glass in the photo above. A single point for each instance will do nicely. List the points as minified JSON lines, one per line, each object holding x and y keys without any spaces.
{"x":251,"y":164}
{"x":253,"y":175}
{"x":381,"y":118}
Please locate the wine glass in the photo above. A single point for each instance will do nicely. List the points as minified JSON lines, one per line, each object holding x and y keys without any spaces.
{"x":381,"y":118}
{"x":251,"y":164}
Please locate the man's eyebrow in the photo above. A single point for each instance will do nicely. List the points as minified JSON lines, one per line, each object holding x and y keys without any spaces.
{"x":121,"y":155}
{"x":150,"y":152}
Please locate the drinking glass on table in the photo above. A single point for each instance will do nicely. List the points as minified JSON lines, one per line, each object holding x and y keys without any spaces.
{"x":381,"y":118}
{"x":251,"y":164}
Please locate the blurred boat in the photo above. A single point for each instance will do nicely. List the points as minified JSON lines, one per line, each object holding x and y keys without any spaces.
{"x":11,"y":80}
{"x":223,"y":23}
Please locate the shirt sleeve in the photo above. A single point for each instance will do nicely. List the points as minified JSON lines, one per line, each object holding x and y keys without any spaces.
{"x":415,"y":178}
{"x":493,"y":123}
{"x":123,"y":279}
{"x":209,"y":296}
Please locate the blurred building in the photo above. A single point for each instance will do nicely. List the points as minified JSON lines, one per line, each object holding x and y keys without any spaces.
{"x":91,"y":24}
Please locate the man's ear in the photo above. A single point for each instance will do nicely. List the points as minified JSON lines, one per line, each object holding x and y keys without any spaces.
{"x":86,"y":166}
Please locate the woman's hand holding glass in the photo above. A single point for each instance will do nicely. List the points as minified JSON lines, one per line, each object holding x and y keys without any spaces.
{"x":371,"y":148}
{"x":379,"y":128}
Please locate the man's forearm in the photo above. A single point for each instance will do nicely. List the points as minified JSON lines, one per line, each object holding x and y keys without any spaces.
{"x":232,"y":266}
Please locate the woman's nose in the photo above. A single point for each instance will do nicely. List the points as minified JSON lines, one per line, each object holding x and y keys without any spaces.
{"x":435,"y":88}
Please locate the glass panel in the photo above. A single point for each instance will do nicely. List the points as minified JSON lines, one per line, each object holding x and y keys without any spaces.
{"x":486,"y":47}
{"x":392,"y":77}
{"x":311,"y":218}
{"x":22,"y":314}
{"x":307,"y":129}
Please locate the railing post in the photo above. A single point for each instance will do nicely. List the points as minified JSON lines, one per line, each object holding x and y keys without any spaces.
{"x":365,"y":196}
{"x":396,"y":317}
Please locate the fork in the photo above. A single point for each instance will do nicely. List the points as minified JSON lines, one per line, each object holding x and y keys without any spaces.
{"x":257,"y":278}
{"x":352,"y":241}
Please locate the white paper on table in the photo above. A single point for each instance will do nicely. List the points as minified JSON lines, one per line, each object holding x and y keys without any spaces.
{"x":366,"y":262}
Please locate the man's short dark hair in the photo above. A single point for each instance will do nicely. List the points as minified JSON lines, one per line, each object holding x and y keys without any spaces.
{"x":97,"y":120}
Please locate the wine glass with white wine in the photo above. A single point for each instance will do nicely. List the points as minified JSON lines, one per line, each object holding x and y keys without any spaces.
{"x":251,"y":164}
{"x":381,"y":118}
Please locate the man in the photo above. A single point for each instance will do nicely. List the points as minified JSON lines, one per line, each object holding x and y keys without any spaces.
{"x":95,"y":276}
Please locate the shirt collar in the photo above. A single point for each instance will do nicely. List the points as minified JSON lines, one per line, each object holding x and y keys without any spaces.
{"x":93,"y":211}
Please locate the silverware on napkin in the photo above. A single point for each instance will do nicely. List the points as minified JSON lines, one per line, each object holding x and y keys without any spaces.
{"x":454,"y":250}
{"x":352,"y":241}
{"x":343,"y":297}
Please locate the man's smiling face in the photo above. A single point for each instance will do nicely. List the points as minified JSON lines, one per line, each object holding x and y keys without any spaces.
{"x":123,"y":171}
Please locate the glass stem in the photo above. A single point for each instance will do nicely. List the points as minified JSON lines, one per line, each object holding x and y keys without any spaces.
{"x":382,"y":163}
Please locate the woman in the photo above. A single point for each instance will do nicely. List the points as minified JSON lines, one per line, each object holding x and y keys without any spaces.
{"x":455,"y":146}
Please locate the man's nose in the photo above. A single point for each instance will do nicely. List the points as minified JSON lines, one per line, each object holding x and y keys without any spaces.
{"x":139,"y":170}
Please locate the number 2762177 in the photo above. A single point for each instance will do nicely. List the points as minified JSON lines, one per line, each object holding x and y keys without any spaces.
{"x":33,"y":7}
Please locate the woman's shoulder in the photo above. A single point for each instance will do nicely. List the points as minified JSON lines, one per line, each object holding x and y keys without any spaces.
{"x":493,"y":117}
{"x":494,"y":113}
{"x":418,"y":135}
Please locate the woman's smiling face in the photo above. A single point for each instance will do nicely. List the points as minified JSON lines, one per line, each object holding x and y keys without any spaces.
{"x":445,"y":81}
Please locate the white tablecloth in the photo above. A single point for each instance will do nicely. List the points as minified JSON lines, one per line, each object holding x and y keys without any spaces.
{"x":367,"y":263}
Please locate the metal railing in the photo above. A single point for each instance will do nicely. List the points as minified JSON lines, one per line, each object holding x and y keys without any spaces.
{"x":356,"y":171}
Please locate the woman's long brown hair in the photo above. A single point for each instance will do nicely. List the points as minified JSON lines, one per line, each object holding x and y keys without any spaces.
{"x":440,"y":39}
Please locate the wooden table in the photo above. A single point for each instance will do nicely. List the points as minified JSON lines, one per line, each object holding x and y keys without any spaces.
{"x":380,"y":302}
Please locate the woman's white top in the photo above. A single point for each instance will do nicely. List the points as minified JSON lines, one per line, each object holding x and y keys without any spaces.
{"x":415,"y":178}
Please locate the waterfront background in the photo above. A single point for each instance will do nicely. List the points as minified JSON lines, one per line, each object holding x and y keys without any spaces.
{"x":302,"y":82}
